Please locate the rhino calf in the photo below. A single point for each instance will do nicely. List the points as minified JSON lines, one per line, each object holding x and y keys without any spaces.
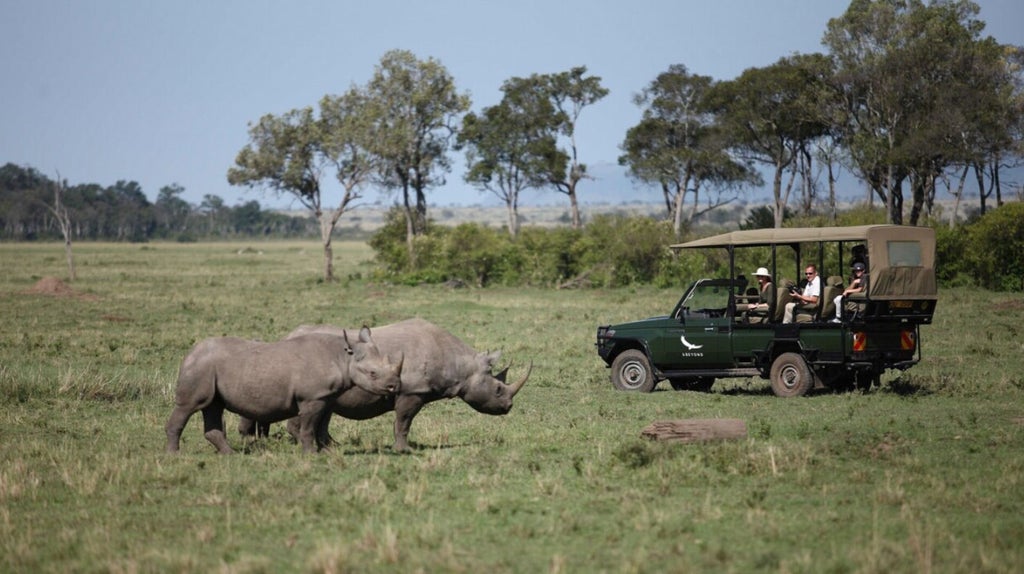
{"x":268,"y":382}
{"x":438,"y":365}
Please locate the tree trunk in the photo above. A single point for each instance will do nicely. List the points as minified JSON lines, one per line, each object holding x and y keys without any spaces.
{"x":677,"y":221}
{"x":957,"y":196}
{"x":410,"y":227}
{"x":71,"y":259}
{"x":512,"y":204}
{"x":326,"y":230}
{"x":577,"y":221}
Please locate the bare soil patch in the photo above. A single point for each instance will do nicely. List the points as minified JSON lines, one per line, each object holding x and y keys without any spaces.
{"x":54,"y":287}
{"x":1010,"y":305}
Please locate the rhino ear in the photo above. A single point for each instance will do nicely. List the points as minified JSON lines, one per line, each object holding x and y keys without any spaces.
{"x":348,"y":346}
{"x":488,"y":360}
{"x":364,"y":334}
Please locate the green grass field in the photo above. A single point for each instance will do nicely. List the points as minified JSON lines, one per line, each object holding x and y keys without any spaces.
{"x":925,"y":474}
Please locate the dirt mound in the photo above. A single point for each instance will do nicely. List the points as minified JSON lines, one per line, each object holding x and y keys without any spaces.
{"x":54,"y":287}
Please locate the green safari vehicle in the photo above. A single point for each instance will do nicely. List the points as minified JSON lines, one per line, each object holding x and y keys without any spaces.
{"x":714,"y":332}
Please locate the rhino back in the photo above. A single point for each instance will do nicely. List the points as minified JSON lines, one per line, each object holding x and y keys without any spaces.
{"x":435,"y":360}
{"x":268,"y":380}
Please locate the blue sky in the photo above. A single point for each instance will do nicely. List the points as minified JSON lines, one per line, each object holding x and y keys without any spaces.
{"x":162,"y":92}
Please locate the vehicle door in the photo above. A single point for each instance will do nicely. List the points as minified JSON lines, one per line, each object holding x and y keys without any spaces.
{"x":699,"y":334}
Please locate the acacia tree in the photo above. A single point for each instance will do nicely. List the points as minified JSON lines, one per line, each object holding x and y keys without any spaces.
{"x":414,"y":107}
{"x":571,"y":92}
{"x":678,"y":147}
{"x":510,"y":146}
{"x":291,"y":154}
{"x":772,"y":114}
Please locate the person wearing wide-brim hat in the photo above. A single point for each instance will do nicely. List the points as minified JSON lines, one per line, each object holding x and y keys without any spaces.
{"x":764,"y":290}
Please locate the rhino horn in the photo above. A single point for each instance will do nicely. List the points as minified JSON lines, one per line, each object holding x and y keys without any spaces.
{"x":519,"y":384}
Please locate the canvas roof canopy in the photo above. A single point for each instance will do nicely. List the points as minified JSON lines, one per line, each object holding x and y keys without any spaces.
{"x":890,"y":276}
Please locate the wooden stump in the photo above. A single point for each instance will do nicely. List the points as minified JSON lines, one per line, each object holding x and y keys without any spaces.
{"x":695,"y":430}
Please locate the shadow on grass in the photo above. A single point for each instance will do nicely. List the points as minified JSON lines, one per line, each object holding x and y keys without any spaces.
{"x":907,"y":387}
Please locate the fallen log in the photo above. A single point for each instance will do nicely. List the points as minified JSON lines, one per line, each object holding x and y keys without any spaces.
{"x":695,"y":430}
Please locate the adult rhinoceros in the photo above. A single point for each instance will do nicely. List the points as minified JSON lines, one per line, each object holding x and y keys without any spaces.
{"x":267,"y":382}
{"x":438,"y":365}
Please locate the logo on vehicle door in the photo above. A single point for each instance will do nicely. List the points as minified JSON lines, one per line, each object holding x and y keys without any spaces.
{"x":690,"y":346}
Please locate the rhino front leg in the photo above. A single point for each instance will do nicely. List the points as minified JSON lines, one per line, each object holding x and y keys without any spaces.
{"x":213,"y":427}
{"x":175,"y":425}
{"x":406,"y":407}
{"x":310,"y":415}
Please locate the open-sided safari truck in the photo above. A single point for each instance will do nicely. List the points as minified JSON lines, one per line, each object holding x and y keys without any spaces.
{"x":710,"y":333}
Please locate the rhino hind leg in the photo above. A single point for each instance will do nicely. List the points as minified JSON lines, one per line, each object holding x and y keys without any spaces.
{"x":175,"y":425}
{"x":213,"y":427}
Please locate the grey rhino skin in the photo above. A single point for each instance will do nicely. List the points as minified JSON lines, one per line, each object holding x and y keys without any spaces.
{"x":438,"y":365}
{"x":269,"y":382}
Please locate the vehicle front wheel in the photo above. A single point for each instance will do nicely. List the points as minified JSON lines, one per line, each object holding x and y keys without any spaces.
{"x":631,"y":371}
{"x":791,"y":377}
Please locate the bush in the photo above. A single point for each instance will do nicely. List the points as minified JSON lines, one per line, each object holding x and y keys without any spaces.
{"x":623,"y":250}
{"x":611,"y":251}
{"x":996,"y":242}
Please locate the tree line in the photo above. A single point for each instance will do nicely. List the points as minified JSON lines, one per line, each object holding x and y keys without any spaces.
{"x":122,"y":212}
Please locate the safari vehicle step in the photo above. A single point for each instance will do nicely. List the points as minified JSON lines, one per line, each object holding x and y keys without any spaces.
{"x":714,"y":331}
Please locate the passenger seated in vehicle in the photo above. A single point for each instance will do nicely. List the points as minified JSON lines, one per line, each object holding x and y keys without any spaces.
{"x":856,"y":286}
{"x":760,"y":309}
{"x":807,"y":300}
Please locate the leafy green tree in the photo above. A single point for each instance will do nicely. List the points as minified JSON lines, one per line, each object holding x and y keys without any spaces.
{"x":291,"y":154}
{"x":678,"y":146}
{"x":213,"y":208}
{"x":923,"y":92}
{"x":510,"y":146}
{"x":770,"y":115}
{"x":570,"y":92}
{"x":131,"y":214}
{"x":172,"y":212}
{"x":414,"y":107}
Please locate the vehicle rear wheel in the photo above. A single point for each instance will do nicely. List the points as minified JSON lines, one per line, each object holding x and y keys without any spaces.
{"x":791,"y":376}
{"x":700,"y":384}
{"x":631,"y":371}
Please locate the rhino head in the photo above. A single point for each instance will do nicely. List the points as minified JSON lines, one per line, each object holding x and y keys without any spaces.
{"x":487,"y":393}
{"x":370,"y":369}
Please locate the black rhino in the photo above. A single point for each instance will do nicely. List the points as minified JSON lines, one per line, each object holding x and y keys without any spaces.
{"x":267,"y":382}
{"x":438,"y":365}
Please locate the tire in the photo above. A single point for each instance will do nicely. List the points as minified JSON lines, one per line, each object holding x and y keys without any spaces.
{"x":631,"y":371}
{"x":699,"y":384}
{"x":791,"y":377}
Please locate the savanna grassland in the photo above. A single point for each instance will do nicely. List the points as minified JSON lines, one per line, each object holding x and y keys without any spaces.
{"x":925,"y":474}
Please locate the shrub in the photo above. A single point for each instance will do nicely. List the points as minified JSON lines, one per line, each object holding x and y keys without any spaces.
{"x":996,"y":242}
